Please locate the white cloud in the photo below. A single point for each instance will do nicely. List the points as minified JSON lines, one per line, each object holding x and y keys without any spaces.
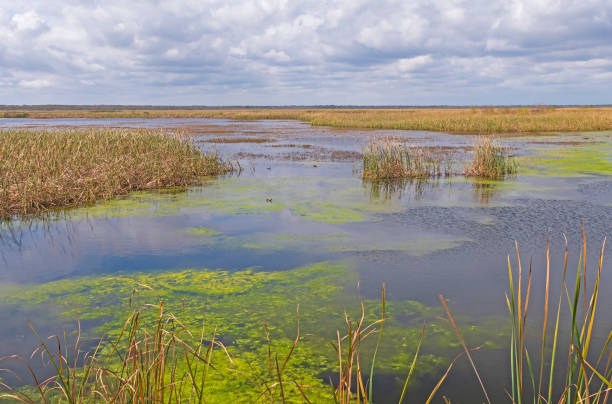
{"x":278,"y":56}
{"x":411,"y":64}
{"x":28,"y":21}
{"x":36,"y":83}
{"x":310,"y":51}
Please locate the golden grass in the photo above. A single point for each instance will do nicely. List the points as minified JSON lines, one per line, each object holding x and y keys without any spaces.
{"x":41,"y":170}
{"x":385,"y":159}
{"x":491,"y":160}
{"x":454,"y":120}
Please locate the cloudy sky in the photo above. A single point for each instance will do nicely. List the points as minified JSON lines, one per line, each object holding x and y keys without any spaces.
{"x":278,"y":52}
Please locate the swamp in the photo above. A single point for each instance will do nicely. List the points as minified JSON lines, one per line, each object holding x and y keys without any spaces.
{"x":304,"y":242}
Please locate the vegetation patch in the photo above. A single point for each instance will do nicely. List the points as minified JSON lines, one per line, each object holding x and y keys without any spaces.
{"x":582,"y":161}
{"x":254,"y":314}
{"x":491,"y":160}
{"x":46,"y":169}
{"x":385,"y":159}
{"x":201,"y":231}
{"x":485,"y":120}
{"x":317,"y":199}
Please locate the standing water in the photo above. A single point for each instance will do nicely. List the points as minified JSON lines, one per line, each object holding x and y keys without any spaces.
{"x":298,"y":226}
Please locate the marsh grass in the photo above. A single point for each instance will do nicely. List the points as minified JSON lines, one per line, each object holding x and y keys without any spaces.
{"x":588,"y":371}
{"x":385,"y":159}
{"x":46,"y":169}
{"x":491,"y":160}
{"x":479,"y":120}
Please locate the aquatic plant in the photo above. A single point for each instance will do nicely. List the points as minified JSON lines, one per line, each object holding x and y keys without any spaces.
{"x":481,"y":120}
{"x":385,"y":159}
{"x":158,"y":359}
{"x":491,"y":160}
{"x":587,"y":379}
{"x":46,"y":169}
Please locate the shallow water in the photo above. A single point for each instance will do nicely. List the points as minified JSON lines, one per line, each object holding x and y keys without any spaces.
{"x":299,"y":202}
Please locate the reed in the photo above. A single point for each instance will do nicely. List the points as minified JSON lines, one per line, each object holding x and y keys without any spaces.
{"x":476,"y":120}
{"x":46,"y":169}
{"x":491,"y":160}
{"x":385,"y":159}
{"x":587,"y":379}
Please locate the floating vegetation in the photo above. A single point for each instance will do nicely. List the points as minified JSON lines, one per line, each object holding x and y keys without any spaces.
{"x":316,"y":199}
{"x":242,"y":317}
{"x":222,"y":336}
{"x":46,"y":169}
{"x":201,"y":231}
{"x":593,"y":159}
{"x":385,"y":159}
{"x":491,"y":160}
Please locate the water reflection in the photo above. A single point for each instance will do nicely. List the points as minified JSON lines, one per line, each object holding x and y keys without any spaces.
{"x":484,"y":192}
{"x":412,"y":188}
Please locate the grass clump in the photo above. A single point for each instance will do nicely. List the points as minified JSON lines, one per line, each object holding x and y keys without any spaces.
{"x":491,"y":160}
{"x":384,"y":159}
{"x":46,"y":169}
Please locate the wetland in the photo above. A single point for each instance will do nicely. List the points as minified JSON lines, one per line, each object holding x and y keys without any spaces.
{"x":299,"y":226}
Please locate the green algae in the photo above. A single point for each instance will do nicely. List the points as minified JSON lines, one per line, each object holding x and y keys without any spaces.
{"x":417,"y":246}
{"x":420,"y":247}
{"x":581,"y":161}
{"x":317,"y":199}
{"x":201,"y":231}
{"x":319,"y":237}
{"x":485,"y":220}
{"x":236,"y":305}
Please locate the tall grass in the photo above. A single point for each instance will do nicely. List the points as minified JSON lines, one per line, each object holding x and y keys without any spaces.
{"x":491,"y":160}
{"x":587,"y":378}
{"x":387,"y":159}
{"x":487,"y":120}
{"x":41,"y":170}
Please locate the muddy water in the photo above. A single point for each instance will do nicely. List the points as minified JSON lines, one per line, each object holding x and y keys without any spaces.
{"x":309,"y":231}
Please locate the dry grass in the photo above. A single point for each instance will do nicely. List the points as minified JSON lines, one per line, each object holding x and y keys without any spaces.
{"x":456,"y":120}
{"x":385,"y":159}
{"x":42,"y":170}
{"x":491,"y":160}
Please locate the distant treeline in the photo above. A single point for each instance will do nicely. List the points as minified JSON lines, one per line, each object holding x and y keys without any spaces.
{"x":62,"y":107}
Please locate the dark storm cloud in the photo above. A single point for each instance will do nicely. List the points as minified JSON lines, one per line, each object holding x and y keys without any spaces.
{"x":306,"y":52}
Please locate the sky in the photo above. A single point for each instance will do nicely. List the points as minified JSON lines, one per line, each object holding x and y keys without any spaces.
{"x":306,"y":52}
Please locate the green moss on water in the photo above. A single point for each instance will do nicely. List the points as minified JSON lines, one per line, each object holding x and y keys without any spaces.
{"x":317,"y":199}
{"x":201,"y":231}
{"x":418,"y":247}
{"x":236,"y":305}
{"x":569,"y":161}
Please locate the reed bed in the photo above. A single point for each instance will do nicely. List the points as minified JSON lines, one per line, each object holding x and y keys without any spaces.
{"x":491,"y":160}
{"x":46,"y":169}
{"x":384,"y":159}
{"x":481,"y":120}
